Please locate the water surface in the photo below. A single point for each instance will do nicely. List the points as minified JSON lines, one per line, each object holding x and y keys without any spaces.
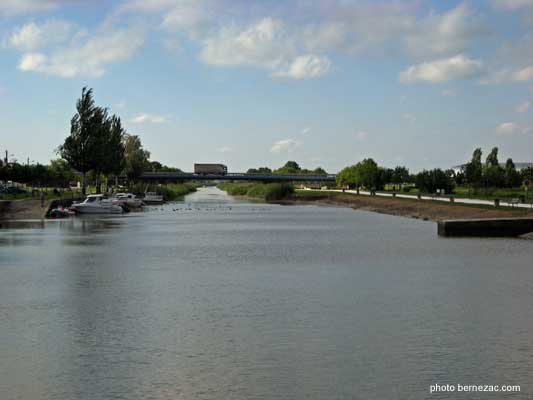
{"x":213,"y":298}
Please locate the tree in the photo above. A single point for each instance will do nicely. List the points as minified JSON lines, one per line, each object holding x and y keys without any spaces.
{"x":493,"y":174}
{"x":348,"y":177}
{"x":400,"y":175}
{"x":260,"y":170}
{"x":365,"y":173}
{"x":112,"y":162}
{"x":80,"y":149}
{"x":473,"y":171}
{"x":136,"y":158}
{"x":319,"y":171}
{"x":511,"y":175}
{"x":430,"y":181}
{"x":369,"y":174}
{"x":290,"y":167}
{"x":60,"y":172}
{"x":492,"y":158}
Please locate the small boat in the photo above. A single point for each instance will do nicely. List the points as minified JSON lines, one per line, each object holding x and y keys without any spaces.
{"x":96,"y":204}
{"x":128,"y":200}
{"x":153,"y":198}
{"x":61,"y":212}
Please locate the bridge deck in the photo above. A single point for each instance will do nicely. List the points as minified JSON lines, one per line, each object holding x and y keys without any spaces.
{"x":189,"y":176}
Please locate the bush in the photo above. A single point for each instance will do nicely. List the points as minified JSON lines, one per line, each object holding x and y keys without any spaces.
{"x":266,"y":191}
{"x":278,"y":191}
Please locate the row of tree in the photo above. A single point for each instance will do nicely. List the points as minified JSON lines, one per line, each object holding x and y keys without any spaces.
{"x":98,"y":147}
{"x":475,"y":174}
{"x":290,"y":168}
{"x":99,"y":144}
{"x":368,"y":174}
{"x":57,"y":173}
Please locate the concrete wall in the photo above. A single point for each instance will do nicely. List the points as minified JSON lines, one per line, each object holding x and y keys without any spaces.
{"x":499,"y":227}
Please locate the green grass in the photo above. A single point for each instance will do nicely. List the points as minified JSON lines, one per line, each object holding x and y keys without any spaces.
{"x":492,"y":193}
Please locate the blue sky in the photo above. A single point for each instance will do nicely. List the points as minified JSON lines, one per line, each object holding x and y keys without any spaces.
{"x":256,"y":83}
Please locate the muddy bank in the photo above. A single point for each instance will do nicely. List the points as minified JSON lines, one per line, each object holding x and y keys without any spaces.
{"x":23,"y":209}
{"x":422,"y":209}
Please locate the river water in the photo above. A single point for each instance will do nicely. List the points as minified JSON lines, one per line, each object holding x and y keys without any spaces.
{"x":216,"y":298}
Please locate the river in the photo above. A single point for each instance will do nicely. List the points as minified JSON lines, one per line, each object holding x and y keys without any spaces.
{"x":218,"y":298}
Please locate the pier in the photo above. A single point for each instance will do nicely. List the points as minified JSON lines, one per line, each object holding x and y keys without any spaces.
{"x":496,"y":227}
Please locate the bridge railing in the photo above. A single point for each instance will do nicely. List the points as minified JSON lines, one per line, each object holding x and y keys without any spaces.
{"x":236,"y":175}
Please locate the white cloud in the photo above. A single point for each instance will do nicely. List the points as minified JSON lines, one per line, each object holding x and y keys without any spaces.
{"x":448,"y":93}
{"x":261,"y":44}
{"x":409,"y":118}
{"x":31,"y":36}
{"x":306,"y":66}
{"x":11,"y":7}
{"x":362,"y":135}
{"x":447,"y":33}
{"x":146,"y":5}
{"x":225,"y":149}
{"x":523,"y":107}
{"x":513,"y":4}
{"x":443,"y":70}
{"x":264,"y":44}
{"x":524,"y":74}
{"x":143,"y":118}
{"x":32,"y":62}
{"x":306,"y":130}
{"x":285,"y":146}
{"x":121,"y":104}
{"x":506,"y":128}
{"x":87,"y":57}
{"x":296,"y":39}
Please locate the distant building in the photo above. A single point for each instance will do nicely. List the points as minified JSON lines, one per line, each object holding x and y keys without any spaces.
{"x":206,"y":169}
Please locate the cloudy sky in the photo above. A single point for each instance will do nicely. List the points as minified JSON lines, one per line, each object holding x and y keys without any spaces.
{"x":253,"y":83}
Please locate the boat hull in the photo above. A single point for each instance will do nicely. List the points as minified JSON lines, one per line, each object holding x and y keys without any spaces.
{"x":98,"y":210}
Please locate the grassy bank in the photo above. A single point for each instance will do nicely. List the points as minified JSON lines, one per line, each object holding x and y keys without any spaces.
{"x":171,"y":191}
{"x":423,"y":209}
{"x":264,"y":191}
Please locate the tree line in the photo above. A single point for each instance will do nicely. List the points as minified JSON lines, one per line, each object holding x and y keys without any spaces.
{"x":290,"y":168}
{"x":475,"y":174}
{"x":98,"y":147}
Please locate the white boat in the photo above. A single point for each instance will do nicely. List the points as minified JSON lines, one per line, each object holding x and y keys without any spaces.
{"x":128,"y":200}
{"x":153,"y":198}
{"x":97,"y":204}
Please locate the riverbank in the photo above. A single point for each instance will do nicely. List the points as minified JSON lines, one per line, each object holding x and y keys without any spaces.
{"x":31,"y":208}
{"x":419,"y":209}
{"x":23,"y":209}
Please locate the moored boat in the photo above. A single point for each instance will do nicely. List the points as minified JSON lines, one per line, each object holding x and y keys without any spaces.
{"x":128,"y":200}
{"x":96,"y":204}
{"x":153,"y":198}
{"x":61,"y":212}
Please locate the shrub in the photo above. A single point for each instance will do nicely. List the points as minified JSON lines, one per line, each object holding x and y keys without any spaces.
{"x":278,"y":191}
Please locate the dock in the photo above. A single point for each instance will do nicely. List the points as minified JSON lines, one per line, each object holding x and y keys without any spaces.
{"x":494,"y":227}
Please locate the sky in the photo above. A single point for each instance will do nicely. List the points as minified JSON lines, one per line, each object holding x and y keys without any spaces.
{"x":256,"y":83}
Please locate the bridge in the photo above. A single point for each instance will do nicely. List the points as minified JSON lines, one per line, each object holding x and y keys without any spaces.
{"x":189,"y":176}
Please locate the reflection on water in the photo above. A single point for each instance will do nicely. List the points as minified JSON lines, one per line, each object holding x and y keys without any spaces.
{"x":216,"y":298}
